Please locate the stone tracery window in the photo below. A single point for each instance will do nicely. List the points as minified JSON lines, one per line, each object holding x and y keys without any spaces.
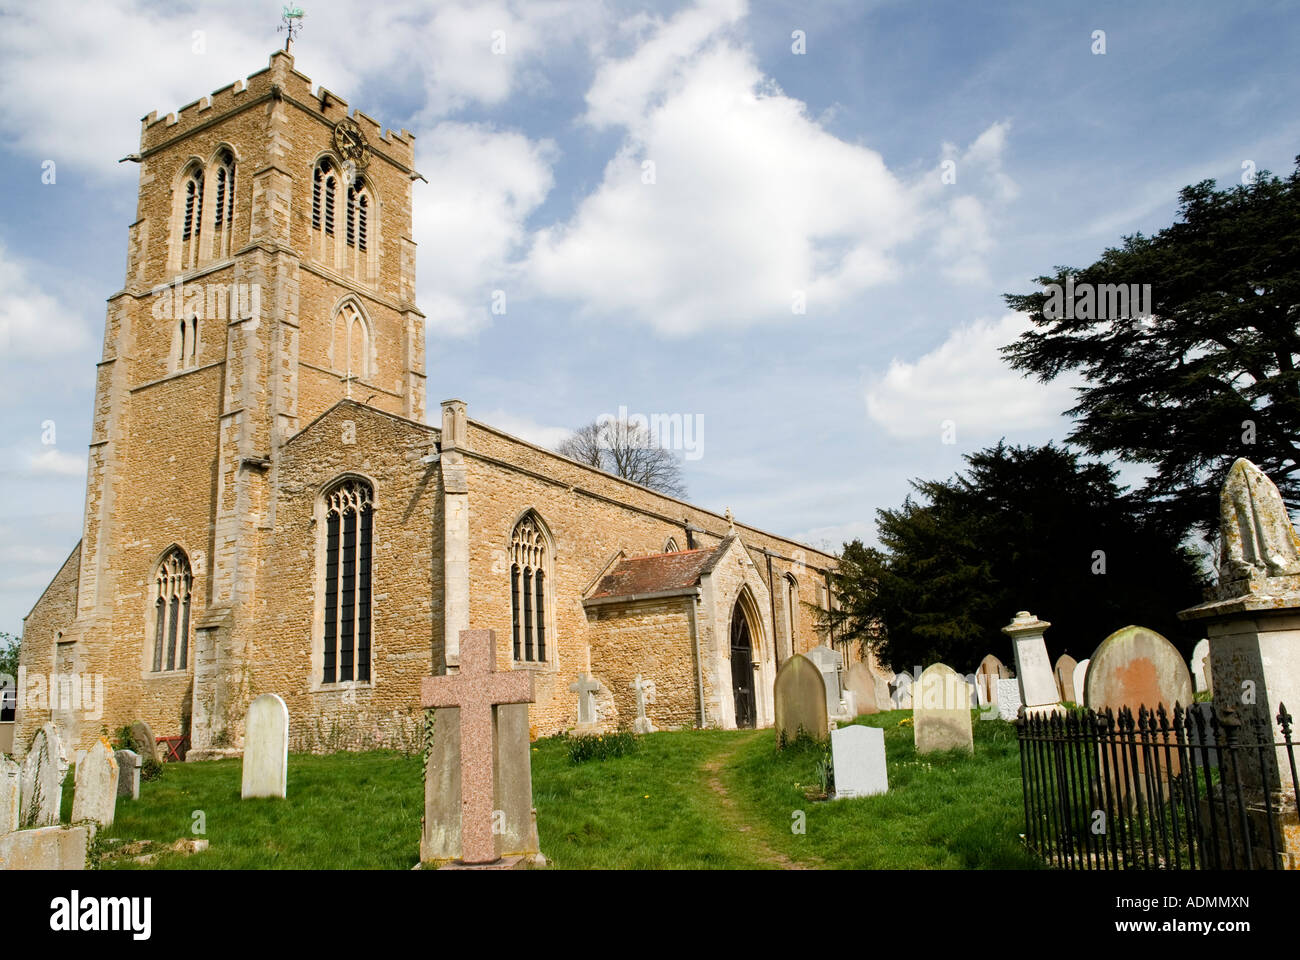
{"x":173,"y":589}
{"x":350,"y":344}
{"x":349,"y":524}
{"x":530,"y":589}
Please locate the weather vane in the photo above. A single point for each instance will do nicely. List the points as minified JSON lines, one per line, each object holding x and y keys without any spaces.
{"x":292,"y":18}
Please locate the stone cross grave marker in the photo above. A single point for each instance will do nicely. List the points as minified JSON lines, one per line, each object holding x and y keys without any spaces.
{"x":266,"y":748}
{"x":1038,"y":691}
{"x":477,"y":693}
{"x":128,"y":774}
{"x":858,"y":755}
{"x":645,"y":693}
{"x":941,"y":711}
{"x":44,"y":769}
{"x":95,"y":792}
{"x":585,"y":688}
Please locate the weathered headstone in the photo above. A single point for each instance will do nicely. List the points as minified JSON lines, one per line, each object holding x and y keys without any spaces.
{"x":941,"y":711}
{"x":800,"y":695}
{"x":128,"y":774}
{"x":1201,"y":676}
{"x":861,"y":682}
{"x":585,"y":688}
{"x":645,"y":693}
{"x":266,"y":748}
{"x":829,"y":663}
{"x":1136,"y":667}
{"x":1064,"y":672}
{"x":45,"y":848}
{"x":1008,"y":699}
{"x":1038,"y":690}
{"x":902,"y":694}
{"x":11,"y":793}
{"x":95,"y":791}
{"x":987,"y":675}
{"x":44,"y":769}
{"x":858,"y":756}
{"x":145,"y":744}
{"x":478,"y":783}
{"x":1080,"y":674}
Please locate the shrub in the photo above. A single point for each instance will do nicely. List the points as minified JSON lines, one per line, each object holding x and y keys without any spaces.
{"x":600,"y":746}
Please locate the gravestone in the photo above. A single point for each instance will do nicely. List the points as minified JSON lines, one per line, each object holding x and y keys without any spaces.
{"x":128,"y":774}
{"x":266,"y":748}
{"x":1201,"y":676}
{"x":1064,"y":671}
{"x":95,"y":791}
{"x":145,"y":744}
{"x":645,"y":693}
{"x":1080,"y":674}
{"x":902,"y":695}
{"x":858,"y":756}
{"x":478,"y":789}
{"x":44,"y":769}
{"x":830,"y":664}
{"x":941,"y":711}
{"x":1008,"y":699}
{"x":800,"y":694}
{"x":987,"y":675}
{"x":1137,"y":667}
{"x":11,"y":793}
{"x":861,"y":682}
{"x":1038,"y":691}
{"x":585,"y":688}
{"x":883,"y":699}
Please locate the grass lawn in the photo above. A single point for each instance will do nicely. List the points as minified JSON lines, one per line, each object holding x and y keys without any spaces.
{"x":692,"y":799}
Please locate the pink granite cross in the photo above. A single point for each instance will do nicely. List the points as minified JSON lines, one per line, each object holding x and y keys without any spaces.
{"x":477,"y":690}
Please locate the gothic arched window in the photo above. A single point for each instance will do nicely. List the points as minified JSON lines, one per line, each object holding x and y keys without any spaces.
{"x":350,"y":343}
{"x":530,"y":589}
{"x":349,"y":523}
{"x":173,"y":587}
{"x":224,"y":216}
{"x":191,"y":214}
{"x":357,"y":229}
{"x":325,"y":179}
{"x":671,"y":546}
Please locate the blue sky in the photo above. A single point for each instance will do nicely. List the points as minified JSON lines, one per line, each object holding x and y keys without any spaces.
{"x":776,"y":175}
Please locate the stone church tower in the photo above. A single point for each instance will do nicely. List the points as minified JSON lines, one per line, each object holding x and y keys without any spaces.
{"x":268,"y":511}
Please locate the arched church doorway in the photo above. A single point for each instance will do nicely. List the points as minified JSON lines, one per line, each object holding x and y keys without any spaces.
{"x":742,"y":667}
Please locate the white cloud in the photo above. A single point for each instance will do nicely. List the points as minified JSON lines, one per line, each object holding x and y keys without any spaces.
{"x":469,"y":219}
{"x":54,"y":462}
{"x":526,"y":429}
{"x":965,"y":380}
{"x":32,"y":322}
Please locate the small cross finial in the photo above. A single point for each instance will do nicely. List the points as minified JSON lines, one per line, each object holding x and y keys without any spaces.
{"x":292,"y":25}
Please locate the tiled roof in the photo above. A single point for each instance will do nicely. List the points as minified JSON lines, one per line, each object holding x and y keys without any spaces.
{"x":657,"y":573}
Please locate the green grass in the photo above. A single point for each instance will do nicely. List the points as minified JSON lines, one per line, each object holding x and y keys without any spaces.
{"x":702,"y":799}
{"x":949,"y":810}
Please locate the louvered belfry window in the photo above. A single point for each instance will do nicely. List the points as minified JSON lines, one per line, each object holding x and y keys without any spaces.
{"x":349,"y":525}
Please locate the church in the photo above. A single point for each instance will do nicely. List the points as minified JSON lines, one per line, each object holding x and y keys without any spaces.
{"x":270,"y":510}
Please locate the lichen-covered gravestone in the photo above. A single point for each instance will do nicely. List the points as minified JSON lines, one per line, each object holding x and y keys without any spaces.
{"x":829,"y":663}
{"x":266,"y":748}
{"x":800,"y":700}
{"x":95,"y":792}
{"x":44,"y":769}
{"x":10,"y":795}
{"x":145,"y":743}
{"x":941,"y":711}
{"x":858,"y":756}
{"x":128,"y":774}
{"x":1137,"y":667}
{"x":861,"y":681}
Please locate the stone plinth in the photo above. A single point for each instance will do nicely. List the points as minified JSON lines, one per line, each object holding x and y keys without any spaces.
{"x":1038,"y":690}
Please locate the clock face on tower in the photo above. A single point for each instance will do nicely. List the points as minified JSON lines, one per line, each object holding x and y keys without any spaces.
{"x":350,"y":143}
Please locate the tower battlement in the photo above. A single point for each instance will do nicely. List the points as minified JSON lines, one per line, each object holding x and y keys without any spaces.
{"x":277,"y":81}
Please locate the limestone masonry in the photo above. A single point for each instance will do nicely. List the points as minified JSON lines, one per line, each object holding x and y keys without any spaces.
{"x":268,"y":512}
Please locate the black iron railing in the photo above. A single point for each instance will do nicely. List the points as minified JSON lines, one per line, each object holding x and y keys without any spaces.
{"x":1201,"y":789}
